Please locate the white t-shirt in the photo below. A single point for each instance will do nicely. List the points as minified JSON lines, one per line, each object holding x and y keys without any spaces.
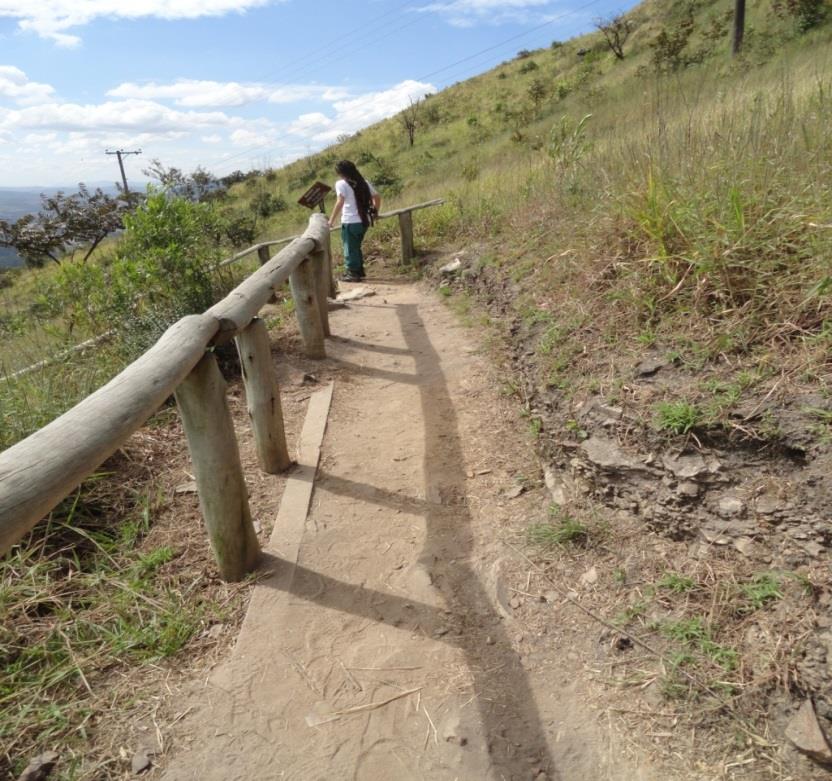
{"x":349,"y":214}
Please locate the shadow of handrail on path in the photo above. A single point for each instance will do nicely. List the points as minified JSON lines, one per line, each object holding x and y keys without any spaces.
{"x":508,"y":713}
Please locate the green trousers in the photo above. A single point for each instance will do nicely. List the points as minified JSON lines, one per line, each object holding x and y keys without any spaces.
{"x":352,"y":234}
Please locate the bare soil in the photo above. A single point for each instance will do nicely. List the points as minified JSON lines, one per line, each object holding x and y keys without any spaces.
{"x":412,"y":639}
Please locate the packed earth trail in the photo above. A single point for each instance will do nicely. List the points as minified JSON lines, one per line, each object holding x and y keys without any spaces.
{"x":380,"y":642}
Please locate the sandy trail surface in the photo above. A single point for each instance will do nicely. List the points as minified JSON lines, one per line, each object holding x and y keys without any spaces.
{"x":388,"y":651}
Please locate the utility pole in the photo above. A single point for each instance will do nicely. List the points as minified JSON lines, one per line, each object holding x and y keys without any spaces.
{"x":119,"y":153}
{"x":739,"y":27}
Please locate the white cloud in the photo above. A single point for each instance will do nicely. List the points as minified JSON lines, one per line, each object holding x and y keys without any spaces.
{"x":249,"y":137}
{"x":15,"y":84}
{"x":214,"y":138}
{"x":465,"y":13}
{"x":356,"y":113}
{"x":39,"y":138}
{"x":194,"y":93}
{"x":138,"y":115}
{"x":313,"y":122}
{"x":52,"y":18}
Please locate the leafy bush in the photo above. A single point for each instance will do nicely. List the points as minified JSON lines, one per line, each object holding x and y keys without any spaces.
{"x":386,"y":177}
{"x":805,"y":13}
{"x":165,"y":268}
{"x":528,"y":67}
{"x":266,"y":204}
{"x":241,"y":229}
{"x":668,"y":46}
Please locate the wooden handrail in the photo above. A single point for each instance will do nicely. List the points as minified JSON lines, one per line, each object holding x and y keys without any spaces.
{"x":38,"y":472}
{"x":287,"y":239}
{"x":416,"y":207}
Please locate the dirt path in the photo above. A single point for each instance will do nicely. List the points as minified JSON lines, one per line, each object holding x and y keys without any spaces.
{"x":395,"y":603}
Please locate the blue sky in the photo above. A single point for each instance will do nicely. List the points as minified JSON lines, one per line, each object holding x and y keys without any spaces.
{"x":230,"y":84}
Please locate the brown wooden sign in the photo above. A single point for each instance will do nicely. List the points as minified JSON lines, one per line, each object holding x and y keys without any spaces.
{"x":314,"y":196}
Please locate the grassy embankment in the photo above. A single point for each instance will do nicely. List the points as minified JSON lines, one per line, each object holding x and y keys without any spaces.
{"x":689,"y":213}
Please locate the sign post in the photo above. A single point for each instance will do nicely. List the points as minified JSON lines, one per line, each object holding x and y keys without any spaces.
{"x":314,"y":196}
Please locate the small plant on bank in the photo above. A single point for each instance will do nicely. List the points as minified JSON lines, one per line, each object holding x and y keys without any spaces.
{"x":696,"y":635}
{"x":562,"y":530}
{"x":677,"y":417}
{"x":763,"y":588}
{"x":676,"y":583}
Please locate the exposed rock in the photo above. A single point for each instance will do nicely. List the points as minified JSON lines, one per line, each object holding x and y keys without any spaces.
{"x":513,"y":492}
{"x":449,"y":269}
{"x":607,"y":453}
{"x":767,"y":504}
{"x":40,"y":767}
{"x":730,"y":506}
{"x":650,"y":366}
{"x":685,"y":466}
{"x":744,"y":545}
{"x":688,"y":488}
{"x":590,"y":577}
{"x":141,"y":761}
{"x":356,"y":293}
{"x":806,"y":734}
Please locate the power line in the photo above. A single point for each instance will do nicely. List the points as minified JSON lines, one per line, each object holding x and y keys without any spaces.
{"x":254,"y":148}
{"x":510,"y":40}
{"x":468,"y":58}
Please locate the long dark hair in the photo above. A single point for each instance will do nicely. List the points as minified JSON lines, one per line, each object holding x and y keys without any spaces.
{"x":363,"y":197}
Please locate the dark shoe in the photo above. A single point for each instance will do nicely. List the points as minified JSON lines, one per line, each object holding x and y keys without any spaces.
{"x":351,"y":278}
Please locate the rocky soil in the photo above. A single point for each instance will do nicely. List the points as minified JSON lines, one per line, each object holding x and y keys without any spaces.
{"x":750,"y":497}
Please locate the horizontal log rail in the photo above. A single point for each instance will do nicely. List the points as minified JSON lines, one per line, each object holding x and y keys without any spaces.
{"x":37,"y":473}
{"x":406,"y":210}
{"x":87,"y":344}
{"x":262,"y":250}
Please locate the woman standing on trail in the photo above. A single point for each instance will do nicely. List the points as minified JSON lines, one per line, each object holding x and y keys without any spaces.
{"x":357,"y":203}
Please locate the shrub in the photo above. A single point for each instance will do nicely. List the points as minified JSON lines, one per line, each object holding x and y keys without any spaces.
{"x":528,"y":67}
{"x":668,"y":46}
{"x":266,"y":204}
{"x":241,"y":229}
{"x":165,"y":268}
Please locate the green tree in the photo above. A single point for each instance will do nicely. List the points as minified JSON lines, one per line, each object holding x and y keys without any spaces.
{"x":65,"y":223}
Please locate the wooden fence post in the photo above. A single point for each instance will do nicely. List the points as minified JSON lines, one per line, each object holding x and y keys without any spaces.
{"x":304,"y":284}
{"x":319,"y":261}
{"x":263,"y":397}
{"x":406,"y":231}
{"x":263,"y":257}
{"x":223,"y":497}
{"x":333,"y":287}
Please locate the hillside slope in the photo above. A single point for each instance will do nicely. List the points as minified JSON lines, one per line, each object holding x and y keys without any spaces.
{"x":648,"y":240}
{"x":645,"y":244}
